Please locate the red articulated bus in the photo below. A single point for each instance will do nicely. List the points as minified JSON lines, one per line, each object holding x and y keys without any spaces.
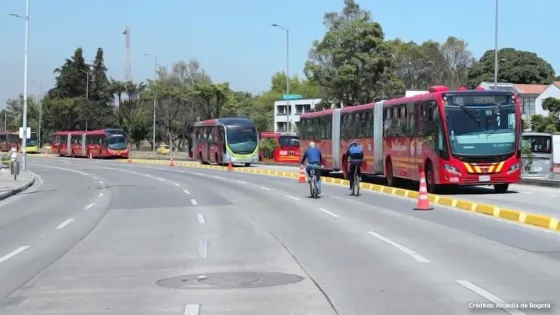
{"x":103,"y":143}
{"x":456,"y":137}
{"x":9,"y":140}
{"x":287,"y":147}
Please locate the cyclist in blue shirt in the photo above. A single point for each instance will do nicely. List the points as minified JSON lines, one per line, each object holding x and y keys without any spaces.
{"x":356,"y":156}
{"x":315,"y":160}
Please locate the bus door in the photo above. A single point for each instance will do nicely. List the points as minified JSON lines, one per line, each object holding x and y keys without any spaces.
{"x":84,"y":143}
{"x":413,"y":115}
{"x":69,"y":144}
{"x":222,"y":143}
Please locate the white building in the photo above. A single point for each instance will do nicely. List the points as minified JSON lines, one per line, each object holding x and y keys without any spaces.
{"x":283,"y":116}
{"x":531,"y":95}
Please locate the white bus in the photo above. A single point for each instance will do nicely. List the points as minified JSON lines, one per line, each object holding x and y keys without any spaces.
{"x":540,"y":162}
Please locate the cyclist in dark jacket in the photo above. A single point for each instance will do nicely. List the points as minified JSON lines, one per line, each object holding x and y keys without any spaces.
{"x":314,"y":160}
{"x":356,"y":156}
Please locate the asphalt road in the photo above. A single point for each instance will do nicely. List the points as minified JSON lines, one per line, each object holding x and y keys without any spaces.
{"x":535,"y":199}
{"x":335,"y":255}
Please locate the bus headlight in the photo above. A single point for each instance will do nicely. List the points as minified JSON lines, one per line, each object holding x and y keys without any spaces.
{"x":451,"y":169}
{"x":515,"y":167}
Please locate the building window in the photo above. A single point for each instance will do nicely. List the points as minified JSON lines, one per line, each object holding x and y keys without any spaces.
{"x":528,"y":105}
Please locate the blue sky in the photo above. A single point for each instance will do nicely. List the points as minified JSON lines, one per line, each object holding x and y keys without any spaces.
{"x":233,"y":40}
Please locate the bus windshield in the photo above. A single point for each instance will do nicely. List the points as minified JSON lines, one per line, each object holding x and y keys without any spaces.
{"x":288,"y":141}
{"x":242,"y":139}
{"x":481,"y":130}
{"x":538,"y":144}
{"x":116,"y":142}
{"x":32,"y":141}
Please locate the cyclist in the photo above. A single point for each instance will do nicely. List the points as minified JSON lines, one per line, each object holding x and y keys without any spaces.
{"x":356,"y":156}
{"x":315,"y":160}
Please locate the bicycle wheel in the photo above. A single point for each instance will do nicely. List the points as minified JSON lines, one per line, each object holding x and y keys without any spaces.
{"x":315,"y":191}
{"x":356,"y":185}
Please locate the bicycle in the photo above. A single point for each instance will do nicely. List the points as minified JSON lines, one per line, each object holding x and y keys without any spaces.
{"x":356,"y":186}
{"x":313,"y":184}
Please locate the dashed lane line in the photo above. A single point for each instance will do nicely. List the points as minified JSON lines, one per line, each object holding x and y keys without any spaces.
{"x":13,"y":253}
{"x":405,"y":250}
{"x":64,"y":224}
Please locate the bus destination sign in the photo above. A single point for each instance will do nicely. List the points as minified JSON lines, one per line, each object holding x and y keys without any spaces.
{"x":478,"y":99}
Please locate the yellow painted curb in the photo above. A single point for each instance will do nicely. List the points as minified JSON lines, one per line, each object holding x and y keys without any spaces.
{"x":531,"y":219}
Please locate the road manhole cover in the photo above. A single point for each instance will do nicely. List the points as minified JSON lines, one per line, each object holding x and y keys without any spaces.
{"x":229,"y":280}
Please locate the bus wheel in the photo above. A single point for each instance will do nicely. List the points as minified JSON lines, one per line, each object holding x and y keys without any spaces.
{"x":430,"y":185}
{"x":247,"y":164}
{"x":501,"y":188}
{"x":389,"y":173}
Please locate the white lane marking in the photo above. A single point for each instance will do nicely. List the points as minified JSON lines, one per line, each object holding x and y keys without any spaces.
{"x":199,"y":174}
{"x":186,"y":192}
{"x":100,"y":195}
{"x":329,"y":213}
{"x":89,"y":206}
{"x":65,"y":223}
{"x":13,"y":253}
{"x":161,"y":179}
{"x":292,"y":197}
{"x":200,"y":218}
{"x":147,"y":175}
{"x":177,"y":184}
{"x":217,"y":177}
{"x":265,"y":188}
{"x":101,"y":182}
{"x":489,"y":296}
{"x":203,"y":249}
{"x":406,"y":250}
{"x":95,"y":177}
{"x":194,"y":203}
{"x":240,"y":181}
{"x":192,"y":309}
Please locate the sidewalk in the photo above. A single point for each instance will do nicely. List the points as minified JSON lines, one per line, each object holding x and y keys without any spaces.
{"x":10,"y":187}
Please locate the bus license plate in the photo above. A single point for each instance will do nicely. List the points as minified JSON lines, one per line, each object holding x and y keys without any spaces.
{"x":484,"y":178}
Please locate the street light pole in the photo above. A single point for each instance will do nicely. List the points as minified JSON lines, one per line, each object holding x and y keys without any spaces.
{"x":87,"y":92}
{"x":155,"y":104}
{"x":287,"y":74}
{"x":40,"y":99}
{"x":496,"y":49}
{"x":24,"y":133}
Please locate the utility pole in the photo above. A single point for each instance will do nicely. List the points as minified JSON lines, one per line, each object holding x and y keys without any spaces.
{"x":496,"y":49}
{"x":287,"y":75}
{"x":155,"y":104}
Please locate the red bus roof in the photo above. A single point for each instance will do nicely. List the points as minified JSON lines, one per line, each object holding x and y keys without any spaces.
{"x":317,"y":114}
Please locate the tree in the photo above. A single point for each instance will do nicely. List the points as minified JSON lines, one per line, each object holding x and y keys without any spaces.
{"x":516,"y":66}
{"x":422,"y":66}
{"x":352,"y":61}
{"x":133,"y":115}
{"x":71,"y":78}
{"x":14,"y":113}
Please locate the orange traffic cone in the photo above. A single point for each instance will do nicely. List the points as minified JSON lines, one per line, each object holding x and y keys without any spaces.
{"x":301,"y":178}
{"x":423,"y":201}
{"x":171,"y":163}
{"x":129,"y":160}
{"x":90,"y":155}
{"x":230,"y":166}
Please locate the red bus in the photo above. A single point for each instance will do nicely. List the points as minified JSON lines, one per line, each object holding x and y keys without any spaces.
{"x":219,"y":140}
{"x":287,"y":148}
{"x":9,"y":140}
{"x":456,"y":137}
{"x":103,"y":143}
